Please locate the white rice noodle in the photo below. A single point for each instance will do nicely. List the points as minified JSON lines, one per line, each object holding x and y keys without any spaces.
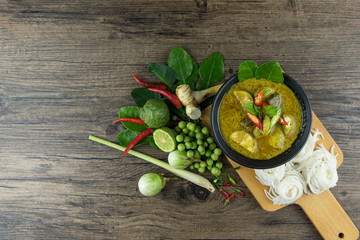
{"x":271,"y":176}
{"x":319,"y":170}
{"x":289,"y":189}
{"x":308,"y":149}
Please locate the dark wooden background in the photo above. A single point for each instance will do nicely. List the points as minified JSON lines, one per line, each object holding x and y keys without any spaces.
{"x":65,"y":70}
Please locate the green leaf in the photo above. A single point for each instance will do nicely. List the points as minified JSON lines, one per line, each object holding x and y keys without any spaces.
{"x":211,"y":71}
{"x":165,"y":73}
{"x":270,"y":110}
{"x":152,"y":142}
{"x":251,"y":108}
{"x":270,"y":71}
{"x":181,"y":62}
{"x":131,"y":112}
{"x":126,"y":137}
{"x":193,"y":77}
{"x":247,"y":70}
{"x":141,"y":95}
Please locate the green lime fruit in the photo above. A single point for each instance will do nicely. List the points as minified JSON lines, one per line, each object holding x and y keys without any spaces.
{"x":165,"y":139}
{"x":155,"y":113}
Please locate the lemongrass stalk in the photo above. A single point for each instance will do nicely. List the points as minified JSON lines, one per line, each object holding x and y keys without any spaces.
{"x":192,"y":177}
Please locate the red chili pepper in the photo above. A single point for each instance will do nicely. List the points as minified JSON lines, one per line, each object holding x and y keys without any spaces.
{"x":149,"y":84}
{"x":282,"y":121}
{"x":241,"y":193}
{"x":227,"y":184}
{"x":138,"y":138}
{"x":173,"y":98}
{"x":224,"y":193}
{"x":264,"y":104}
{"x":255,"y":120}
{"x":259,"y":97}
{"x":134,"y":120}
{"x":229,"y":199}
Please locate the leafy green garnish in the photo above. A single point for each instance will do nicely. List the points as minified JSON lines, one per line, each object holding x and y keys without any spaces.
{"x":211,"y":71}
{"x":251,"y":108}
{"x":247,"y":70}
{"x":181,"y":62}
{"x":165,"y":73}
{"x":131,"y":112}
{"x":270,"y":71}
{"x":125,"y":138}
{"x":270,"y":110}
{"x":141,"y":95}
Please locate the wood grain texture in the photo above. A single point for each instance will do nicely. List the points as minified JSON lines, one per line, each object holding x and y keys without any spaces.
{"x":65,"y":69}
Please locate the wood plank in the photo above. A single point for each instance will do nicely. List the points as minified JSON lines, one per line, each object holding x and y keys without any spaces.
{"x":65,"y":70}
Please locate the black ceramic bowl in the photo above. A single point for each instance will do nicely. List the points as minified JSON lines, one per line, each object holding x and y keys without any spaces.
{"x":277,"y":160}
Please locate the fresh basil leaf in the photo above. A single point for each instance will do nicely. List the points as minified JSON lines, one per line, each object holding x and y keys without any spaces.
{"x":270,"y":110}
{"x":211,"y":71}
{"x":126,"y":137}
{"x":247,"y":70}
{"x":131,"y":112}
{"x":251,"y":108}
{"x":152,"y":142}
{"x":141,"y":95}
{"x":165,"y":73}
{"x":181,"y":62}
{"x":270,"y":71}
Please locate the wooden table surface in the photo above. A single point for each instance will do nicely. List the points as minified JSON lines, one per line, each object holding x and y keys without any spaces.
{"x":65,"y":70}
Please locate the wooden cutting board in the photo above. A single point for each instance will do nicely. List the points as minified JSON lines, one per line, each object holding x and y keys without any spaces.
{"x":323,"y":210}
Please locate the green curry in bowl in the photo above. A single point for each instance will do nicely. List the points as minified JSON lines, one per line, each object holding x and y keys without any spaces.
{"x":275,"y":115}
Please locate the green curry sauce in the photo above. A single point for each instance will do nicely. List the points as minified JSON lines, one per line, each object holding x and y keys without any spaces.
{"x":232,"y":118}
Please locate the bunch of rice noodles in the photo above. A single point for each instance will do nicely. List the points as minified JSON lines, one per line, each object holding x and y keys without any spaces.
{"x":271,"y":176}
{"x":310,"y":172}
{"x":289,"y":189}
{"x":319,"y":170}
{"x":308,"y":149}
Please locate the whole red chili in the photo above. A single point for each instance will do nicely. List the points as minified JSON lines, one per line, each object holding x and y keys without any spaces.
{"x":239,"y":191}
{"x":149,"y":84}
{"x":134,"y":120}
{"x":229,"y":199}
{"x":138,"y":138}
{"x":224,"y":193}
{"x":173,"y":98}
{"x":242,"y":193}
{"x":227,"y":184}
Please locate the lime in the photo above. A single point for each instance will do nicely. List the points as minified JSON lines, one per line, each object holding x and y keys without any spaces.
{"x":165,"y":139}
